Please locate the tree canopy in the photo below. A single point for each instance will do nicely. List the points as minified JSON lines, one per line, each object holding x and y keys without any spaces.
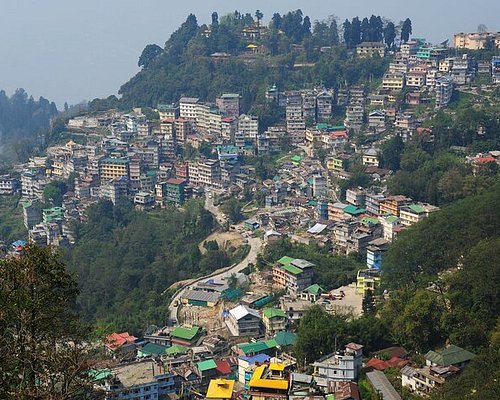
{"x":42,"y":347}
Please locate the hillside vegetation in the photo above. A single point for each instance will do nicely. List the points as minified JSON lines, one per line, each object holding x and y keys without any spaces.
{"x":124,"y":261}
{"x":292,"y":52}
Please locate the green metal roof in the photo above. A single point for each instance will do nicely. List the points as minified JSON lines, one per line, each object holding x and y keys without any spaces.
{"x":271,"y":343}
{"x":285,"y":338}
{"x":206,"y":365}
{"x":370,"y":221}
{"x":353,"y":210}
{"x":416,"y":208}
{"x":449,"y":356}
{"x":296,"y":158}
{"x":392,"y":219}
{"x":183,"y":332}
{"x":292,"y":269}
{"x":273,"y":313}
{"x":153,"y":349}
{"x":253,"y":348}
{"x":314,"y":289}
{"x":99,"y":374}
{"x":176,"y":349}
{"x":285,"y":260}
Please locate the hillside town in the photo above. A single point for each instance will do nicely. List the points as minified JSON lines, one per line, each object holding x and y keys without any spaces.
{"x":230,"y":334}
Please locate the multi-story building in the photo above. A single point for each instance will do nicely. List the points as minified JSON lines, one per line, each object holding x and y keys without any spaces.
{"x":137,"y":381}
{"x":370,"y":158}
{"x":309,"y":104}
{"x":390,"y":227}
{"x":335,"y":164}
{"x":243,"y":321}
{"x":188,"y":108}
{"x":8,"y":184}
{"x":175,"y":191}
{"x":444,"y":91}
{"x":377,"y":120}
{"x":144,"y":201}
{"x":115,"y":189}
{"x":319,"y":186}
{"x":274,"y":321}
{"x":249,"y":126}
{"x":392,"y":204}
{"x":205,"y":172}
{"x":324,"y":101}
{"x":32,"y":214}
{"x":110,"y":168}
{"x":367,"y":280}
{"x":409,"y":48}
{"x":355,"y":116}
{"x":269,"y":382}
{"x":372,"y":203}
{"x":476,"y":40}
{"x":374,"y":253}
{"x":416,"y":79}
{"x":369,"y":49}
{"x":495,"y":70}
{"x":355,"y":197}
{"x":292,"y":274}
{"x":229,"y":104}
{"x":336,"y":211}
{"x":393,"y":81}
{"x":414,"y":213}
{"x":446,"y":65}
{"x":168,"y":111}
{"x":341,"y":366}
{"x":423,"y":381}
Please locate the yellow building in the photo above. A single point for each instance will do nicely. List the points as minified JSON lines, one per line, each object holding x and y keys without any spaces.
{"x":370,"y":158}
{"x":220,"y":389}
{"x":393,"y":81}
{"x":111,"y":168}
{"x":369,"y":49}
{"x":335,"y":164}
{"x":475,"y":40}
{"x":269,"y":382}
{"x":368,"y":279}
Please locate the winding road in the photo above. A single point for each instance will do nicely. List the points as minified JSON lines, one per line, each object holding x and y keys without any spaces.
{"x":251,"y":258}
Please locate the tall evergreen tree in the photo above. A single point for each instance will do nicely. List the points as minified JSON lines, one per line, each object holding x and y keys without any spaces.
{"x":347,"y":27}
{"x":366,"y":34}
{"x":406,"y":30}
{"x":356,"y":31}
{"x":389,"y":34}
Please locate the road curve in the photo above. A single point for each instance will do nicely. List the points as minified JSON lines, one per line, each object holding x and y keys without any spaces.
{"x":251,"y":258}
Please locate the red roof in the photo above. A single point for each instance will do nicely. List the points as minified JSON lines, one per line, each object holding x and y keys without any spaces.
{"x":117,"y":340}
{"x":167,"y":120}
{"x":483,"y":160}
{"x":228,"y":119}
{"x":339,"y":134}
{"x":354,"y":346}
{"x":223,"y":367}
{"x":381,"y":365}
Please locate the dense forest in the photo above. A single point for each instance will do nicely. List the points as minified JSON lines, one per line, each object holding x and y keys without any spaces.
{"x":125,"y":260}
{"x":324,"y":51}
{"x":24,"y":123}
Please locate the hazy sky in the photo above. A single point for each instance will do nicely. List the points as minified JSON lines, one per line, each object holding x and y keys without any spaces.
{"x":69,"y":50}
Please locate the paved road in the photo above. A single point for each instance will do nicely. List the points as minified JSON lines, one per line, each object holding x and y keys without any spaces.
{"x":255,"y":247}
